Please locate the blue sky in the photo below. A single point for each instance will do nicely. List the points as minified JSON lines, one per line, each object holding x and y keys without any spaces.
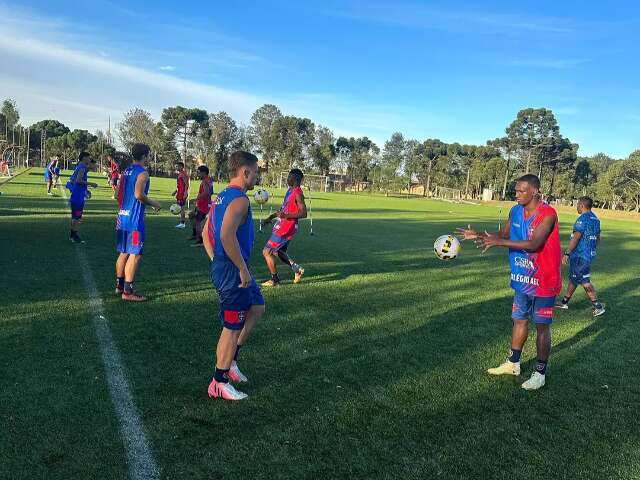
{"x":459,"y":71}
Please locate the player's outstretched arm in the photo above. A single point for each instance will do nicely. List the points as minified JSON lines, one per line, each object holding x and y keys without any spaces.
{"x":141,"y":182}
{"x":235,"y":214}
{"x":539,"y":236}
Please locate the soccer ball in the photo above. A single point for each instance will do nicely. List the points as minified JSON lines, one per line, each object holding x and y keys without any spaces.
{"x":447,"y":247}
{"x":261,"y":196}
{"x":87,"y":195}
{"x":175,"y":209}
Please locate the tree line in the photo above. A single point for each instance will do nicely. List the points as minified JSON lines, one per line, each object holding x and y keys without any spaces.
{"x":532,"y":143}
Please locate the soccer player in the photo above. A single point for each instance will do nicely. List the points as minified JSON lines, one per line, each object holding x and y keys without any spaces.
{"x":78,"y":186}
{"x":531,"y":235}
{"x":181,"y":192}
{"x":228,"y":242}
{"x":114,"y":174}
{"x":50,"y":174}
{"x":202,"y":204}
{"x":580,"y":253}
{"x":132,"y":200}
{"x":293,"y":208}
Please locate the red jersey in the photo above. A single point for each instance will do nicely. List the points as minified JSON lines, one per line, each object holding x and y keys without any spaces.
{"x":287,"y":227}
{"x":204,"y":194}
{"x":535,"y":273}
{"x":114,"y":169}
{"x":181,"y":186}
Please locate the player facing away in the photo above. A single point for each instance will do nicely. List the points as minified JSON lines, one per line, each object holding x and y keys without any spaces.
{"x":532,"y":236}
{"x":581,"y":253}
{"x":293,"y":209}
{"x":203,"y":201}
{"x":50,"y":174}
{"x":132,"y":200}
{"x":114,"y":174}
{"x":78,"y":186}
{"x":181,"y":192}
{"x":228,"y":241}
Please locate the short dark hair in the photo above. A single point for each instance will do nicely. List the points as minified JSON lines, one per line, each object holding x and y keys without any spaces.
{"x":82,"y":156}
{"x":296,"y":172}
{"x":239,"y":159}
{"x":180,"y":164}
{"x":587,"y":202}
{"x":139,"y":150}
{"x":204,"y":169}
{"x":531,"y":179}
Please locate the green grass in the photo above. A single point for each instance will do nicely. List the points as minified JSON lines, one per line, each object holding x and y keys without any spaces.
{"x":373,"y":367}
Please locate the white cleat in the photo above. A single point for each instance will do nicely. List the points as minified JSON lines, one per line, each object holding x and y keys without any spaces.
{"x":598,"y":311}
{"x":181,"y":226}
{"x":235,"y":375}
{"x":507,"y":368}
{"x":225,"y":391}
{"x":535,"y":382}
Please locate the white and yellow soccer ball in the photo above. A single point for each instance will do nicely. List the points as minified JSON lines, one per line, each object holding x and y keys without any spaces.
{"x":447,"y":247}
{"x":261,"y":196}
{"x":175,"y":209}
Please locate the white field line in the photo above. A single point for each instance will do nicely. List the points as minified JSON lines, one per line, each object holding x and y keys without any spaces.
{"x":142,"y":465}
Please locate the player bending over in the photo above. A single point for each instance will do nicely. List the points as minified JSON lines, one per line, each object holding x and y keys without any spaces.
{"x":78,"y":186}
{"x":581,"y":253}
{"x":228,"y":241}
{"x":293,"y":208}
{"x":181,"y":192}
{"x":50,"y":174}
{"x":132,"y":200}
{"x":531,"y":235}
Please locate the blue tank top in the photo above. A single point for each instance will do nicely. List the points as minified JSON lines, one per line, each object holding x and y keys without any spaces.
{"x":244,"y":233}
{"x":131,"y":213}
{"x":589,"y":225}
{"x":78,"y":192}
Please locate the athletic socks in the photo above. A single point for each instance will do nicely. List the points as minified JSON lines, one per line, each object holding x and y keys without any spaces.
{"x":128,"y":287}
{"x":541,"y":367}
{"x":565,"y":300}
{"x":220,"y":375}
{"x":275,"y":278}
{"x":596,"y":304}
{"x":295,"y":267}
{"x":235,"y":357}
{"x":514,"y":355}
{"x":120,"y":283}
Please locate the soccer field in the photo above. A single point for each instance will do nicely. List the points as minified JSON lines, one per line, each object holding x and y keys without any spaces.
{"x":372,"y":368}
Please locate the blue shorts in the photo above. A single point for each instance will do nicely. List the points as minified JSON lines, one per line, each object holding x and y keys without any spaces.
{"x":181,"y":203}
{"x":130,"y":242}
{"x":277,"y":243}
{"x":579,"y":271}
{"x":235,"y":302}
{"x":527,"y":306}
{"x":77,"y":210}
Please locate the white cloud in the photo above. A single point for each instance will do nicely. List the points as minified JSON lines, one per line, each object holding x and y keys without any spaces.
{"x":167,"y":68}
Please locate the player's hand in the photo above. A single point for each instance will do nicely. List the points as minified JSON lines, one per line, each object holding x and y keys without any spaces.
{"x":156,"y":206}
{"x":565,"y":259}
{"x":487,"y":240}
{"x":467,"y":233}
{"x":245,"y":278}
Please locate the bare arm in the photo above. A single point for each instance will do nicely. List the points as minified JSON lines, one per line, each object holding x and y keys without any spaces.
{"x":573,"y":243}
{"x":205,"y":239}
{"x":235,"y":214}
{"x":141,"y":183}
{"x":540,"y":235}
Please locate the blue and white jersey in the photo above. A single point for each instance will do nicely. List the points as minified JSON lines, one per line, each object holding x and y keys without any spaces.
{"x":244,"y":233}
{"x":131,"y":214}
{"x":588,"y":224}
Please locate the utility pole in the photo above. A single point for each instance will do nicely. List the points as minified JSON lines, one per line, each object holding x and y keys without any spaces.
{"x":28,"y":144}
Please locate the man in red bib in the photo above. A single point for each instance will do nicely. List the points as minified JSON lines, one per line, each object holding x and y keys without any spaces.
{"x":293,"y":209}
{"x":531,"y":235}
